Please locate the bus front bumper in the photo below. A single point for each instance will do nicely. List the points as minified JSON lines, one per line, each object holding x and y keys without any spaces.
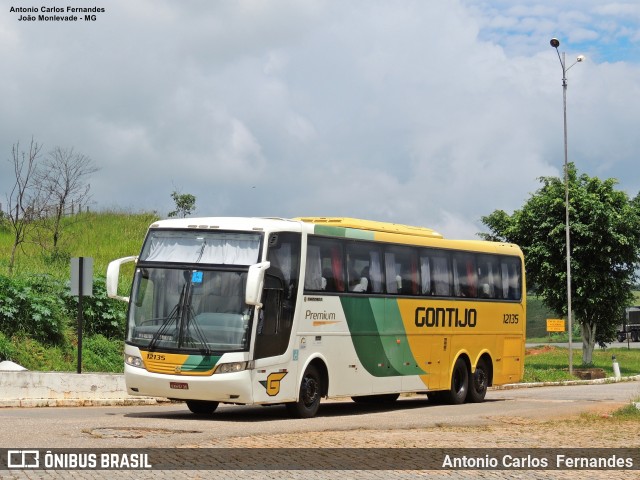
{"x":224,"y":387}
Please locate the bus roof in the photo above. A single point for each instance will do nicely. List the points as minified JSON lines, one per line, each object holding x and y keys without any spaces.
{"x":372,"y":225}
{"x":341,"y":227}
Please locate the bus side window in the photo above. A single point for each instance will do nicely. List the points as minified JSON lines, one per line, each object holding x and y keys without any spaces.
{"x":511,"y":279}
{"x":314,"y":279}
{"x":325,"y":271}
{"x":363,"y":259}
{"x":441,"y":275}
{"x":465,"y":276}
{"x":488,"y":277}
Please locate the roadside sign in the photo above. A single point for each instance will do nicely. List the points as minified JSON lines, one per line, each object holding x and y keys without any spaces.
{"x":555,"y":325}
{"x":82,"y":276}
{"x":82,"y":286}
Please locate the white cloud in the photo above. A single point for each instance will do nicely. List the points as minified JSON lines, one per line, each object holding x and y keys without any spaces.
{"x":431,"y":113}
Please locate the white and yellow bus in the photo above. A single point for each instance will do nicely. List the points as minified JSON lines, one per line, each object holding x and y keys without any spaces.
{"x":277,"y":311}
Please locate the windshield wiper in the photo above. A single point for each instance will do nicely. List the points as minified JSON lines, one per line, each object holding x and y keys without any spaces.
{"x":174,"y":315}
{"x":192,"y":322}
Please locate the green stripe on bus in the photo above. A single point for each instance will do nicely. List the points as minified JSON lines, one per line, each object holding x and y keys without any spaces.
{"x":365,"y":335}
{"x":379,"y":337}
{"x":396,"y":342}
{"x":343,"y":232}
{"x":199,"y":363}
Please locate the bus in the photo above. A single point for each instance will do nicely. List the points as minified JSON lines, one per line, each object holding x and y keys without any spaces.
{"x":260,"y":311}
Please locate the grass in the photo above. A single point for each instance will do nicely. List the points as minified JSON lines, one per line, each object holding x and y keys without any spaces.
{"x":549,"y":364}
{"x":104,"y":236}
{"x":99,"y":354}
{"x":629,"y":412}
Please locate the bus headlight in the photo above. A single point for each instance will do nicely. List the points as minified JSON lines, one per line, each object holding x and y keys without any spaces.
{"x":231,"y":367}
{"x":133,"y":361}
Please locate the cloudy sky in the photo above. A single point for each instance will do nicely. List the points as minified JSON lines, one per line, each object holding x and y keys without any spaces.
{"x":422,"y":112}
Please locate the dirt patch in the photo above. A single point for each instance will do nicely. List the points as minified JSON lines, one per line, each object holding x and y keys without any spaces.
{"x":539,"y":350}
{"x":594,"y":430}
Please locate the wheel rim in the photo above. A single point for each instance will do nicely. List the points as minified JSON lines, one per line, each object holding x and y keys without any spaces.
{"x":480,"y":380}
{"x":309,"y":391}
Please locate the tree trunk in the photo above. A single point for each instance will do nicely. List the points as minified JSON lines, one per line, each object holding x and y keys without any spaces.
{"x":588,"y":342}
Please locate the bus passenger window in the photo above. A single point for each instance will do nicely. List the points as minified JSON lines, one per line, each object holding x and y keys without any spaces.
{"x":401,"y":265}
{"x":465,"y":276}
{"x":441,"y":275}
{"x":313,"y":279}
{"x":488,"y":277}
{"x":511,"y":279}
{"x":365,"y":271}
{"x":324,"y":266}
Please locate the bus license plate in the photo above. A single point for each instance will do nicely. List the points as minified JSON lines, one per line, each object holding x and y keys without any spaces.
{"x":179,"y":385}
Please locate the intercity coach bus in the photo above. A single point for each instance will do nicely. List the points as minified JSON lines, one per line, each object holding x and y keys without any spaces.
{"x":279,"y":311}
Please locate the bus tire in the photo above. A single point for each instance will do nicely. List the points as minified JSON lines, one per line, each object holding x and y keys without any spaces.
{"x":382,"y":398}
{"x":202,"y":407}
{"x":635,"y":336}
{"x":308,"y":396}
{"x":459,"y":383}
{"x":479,"y":382}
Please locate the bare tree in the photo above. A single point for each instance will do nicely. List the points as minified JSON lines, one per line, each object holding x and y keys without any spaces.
{"x":25,"y":202}
{"x":64,"y":180}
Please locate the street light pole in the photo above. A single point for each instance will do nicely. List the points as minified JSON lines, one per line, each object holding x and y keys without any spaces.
{"x":555,"y":43}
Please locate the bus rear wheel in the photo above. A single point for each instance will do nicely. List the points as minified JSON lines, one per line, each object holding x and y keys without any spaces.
{"x":479,"y":382}
{"x":202,"y":407}
{"x":459,"y":383}
{"x":309,"y":396}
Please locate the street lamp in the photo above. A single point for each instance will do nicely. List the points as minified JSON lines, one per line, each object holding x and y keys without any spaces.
{"x":555,"y":43}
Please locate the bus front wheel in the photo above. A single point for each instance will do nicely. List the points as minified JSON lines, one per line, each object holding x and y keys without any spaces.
{"x":309,"y":395}
{"x":202,"y":407}
{"x":459,"y":383}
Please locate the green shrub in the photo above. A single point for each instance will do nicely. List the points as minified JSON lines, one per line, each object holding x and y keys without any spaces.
{"x":100,"y":354}
{"x":102,"y":315}
{"x":7,"y":350}
{"x":33,"y":305}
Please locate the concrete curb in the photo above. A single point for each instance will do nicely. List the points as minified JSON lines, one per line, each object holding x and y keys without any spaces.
{"x":64,"y":389}
{"x":564,"y":383}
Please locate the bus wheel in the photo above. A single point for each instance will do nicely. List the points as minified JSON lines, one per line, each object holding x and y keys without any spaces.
{"x":202,"y":407}
{"x":382,"y":398}
{"x":459,"y":383}
{"x":479,"y":382}
{"x":309,"y":396}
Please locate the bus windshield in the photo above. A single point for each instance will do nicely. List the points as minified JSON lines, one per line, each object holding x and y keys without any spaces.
{"x":189,"y":310}
{"x":189,"y":291}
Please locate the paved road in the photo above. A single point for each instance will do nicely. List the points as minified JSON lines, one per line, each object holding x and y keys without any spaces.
{"x":172,"y":425}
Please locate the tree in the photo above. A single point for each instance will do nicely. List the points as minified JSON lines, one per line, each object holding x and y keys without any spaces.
{"x":25,"y":201}
{"x":185,"y":204}
{"x":605,"y":246}
{"x":63,"y":178}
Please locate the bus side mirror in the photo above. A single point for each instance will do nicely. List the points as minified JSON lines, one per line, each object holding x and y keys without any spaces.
{"x":113,"y":274}
{"x":255,"y":281}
